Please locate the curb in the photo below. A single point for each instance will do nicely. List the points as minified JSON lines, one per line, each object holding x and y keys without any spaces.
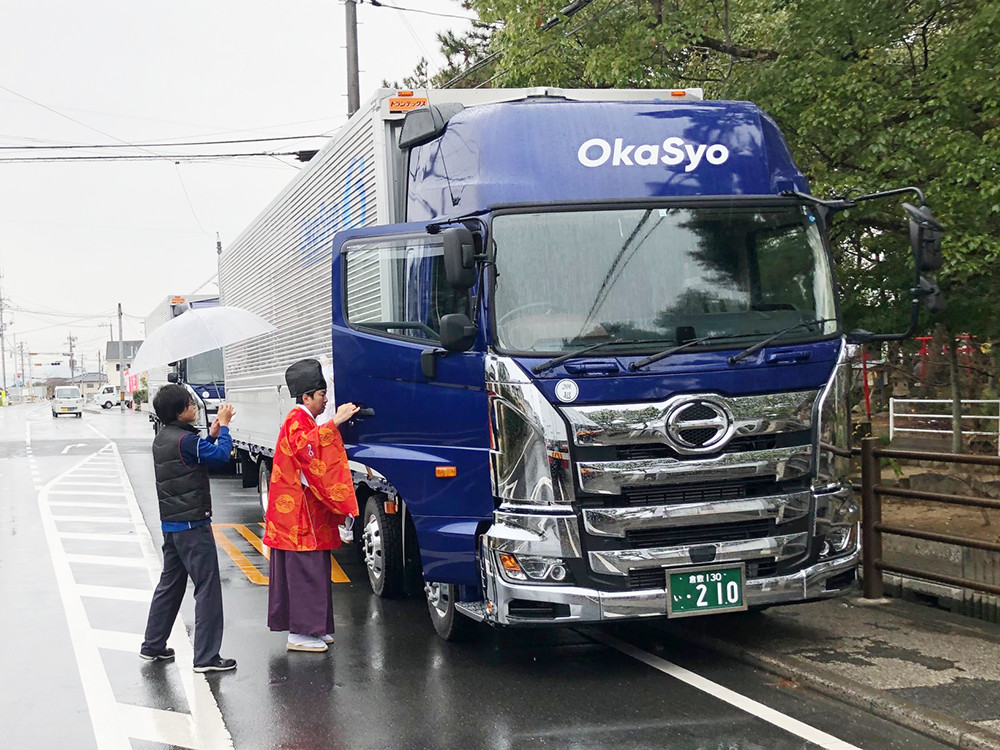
{"x":926,"y":721}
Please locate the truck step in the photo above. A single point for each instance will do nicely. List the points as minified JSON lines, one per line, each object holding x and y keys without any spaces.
{"x":475,"y":610}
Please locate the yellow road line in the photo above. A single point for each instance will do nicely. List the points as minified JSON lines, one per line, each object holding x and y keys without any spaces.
{"x":248,"y":568}
{"x":253,"y":539}
{"x":337,"y":574}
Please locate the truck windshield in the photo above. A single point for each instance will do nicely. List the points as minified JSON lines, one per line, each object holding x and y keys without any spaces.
{"x":206,"y":368}
{"x":569,"y":279}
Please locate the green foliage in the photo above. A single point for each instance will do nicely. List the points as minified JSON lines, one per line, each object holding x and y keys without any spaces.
{"x":870,"y":94}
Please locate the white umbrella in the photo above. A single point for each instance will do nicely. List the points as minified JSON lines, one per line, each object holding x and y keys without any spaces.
{"x":196,"y":331}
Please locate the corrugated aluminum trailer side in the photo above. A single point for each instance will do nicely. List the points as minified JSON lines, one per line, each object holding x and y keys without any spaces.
{"x":279,"y":267}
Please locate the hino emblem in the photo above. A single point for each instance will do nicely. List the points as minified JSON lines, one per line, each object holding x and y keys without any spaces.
{"x":699,"y":425}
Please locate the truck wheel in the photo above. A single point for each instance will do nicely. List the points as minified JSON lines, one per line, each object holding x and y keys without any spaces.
{"x":263,"y":483}
{"x":381,"y":542}
{"x":248,"y":470}
{"x":448,"y":623}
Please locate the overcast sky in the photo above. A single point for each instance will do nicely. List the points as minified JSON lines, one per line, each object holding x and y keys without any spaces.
{"x":77,"y":238}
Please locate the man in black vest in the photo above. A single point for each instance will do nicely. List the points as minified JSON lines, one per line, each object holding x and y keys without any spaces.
{"x":180,"y":460}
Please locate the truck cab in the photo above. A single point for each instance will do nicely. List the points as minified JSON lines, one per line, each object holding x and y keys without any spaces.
{"x":597,"y":340}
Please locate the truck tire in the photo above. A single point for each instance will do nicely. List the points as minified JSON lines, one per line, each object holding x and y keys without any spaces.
{"x":448,"y":622}
{"x":106,"y":405}
{"x":248,"y":470}
{"x":263,"y":483}
{"x":381,"y":542}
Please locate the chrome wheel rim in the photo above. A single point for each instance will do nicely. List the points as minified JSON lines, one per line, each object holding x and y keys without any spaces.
{"x":438,"y":598}
{"x":374,"y":557}
{"x":265,"y":485}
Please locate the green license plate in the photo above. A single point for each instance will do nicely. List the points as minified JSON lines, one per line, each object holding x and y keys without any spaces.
{"x":700,"y":591}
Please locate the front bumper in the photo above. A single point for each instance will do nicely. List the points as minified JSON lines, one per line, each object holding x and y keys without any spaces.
{"x":573,"y":604}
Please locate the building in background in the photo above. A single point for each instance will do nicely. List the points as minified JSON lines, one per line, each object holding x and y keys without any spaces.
{"x":89,"y":382}
{"x":120,"y":361}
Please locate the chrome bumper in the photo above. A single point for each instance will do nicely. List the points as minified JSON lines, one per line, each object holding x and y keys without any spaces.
{"x":589,"y":605}
{"x":557,"y":534}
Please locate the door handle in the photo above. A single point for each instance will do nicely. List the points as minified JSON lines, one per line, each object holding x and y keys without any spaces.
{"x":366,"y":411}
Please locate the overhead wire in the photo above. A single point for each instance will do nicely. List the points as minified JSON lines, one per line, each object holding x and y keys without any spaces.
{"x":142,"y":157}
{"x":380,"y":4}
{"x":162,"y":144}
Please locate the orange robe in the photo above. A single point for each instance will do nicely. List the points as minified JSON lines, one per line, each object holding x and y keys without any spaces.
{"x":311,"y":489}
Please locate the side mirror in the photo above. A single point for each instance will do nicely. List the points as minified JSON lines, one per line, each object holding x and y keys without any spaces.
{"x":925,"y":238}
{"x":459,"y":257}
{"x":172,"y":377}
{"x":458,"y":333}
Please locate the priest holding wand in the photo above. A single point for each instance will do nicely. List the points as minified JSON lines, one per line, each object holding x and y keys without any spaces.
{"x":310,"y":495}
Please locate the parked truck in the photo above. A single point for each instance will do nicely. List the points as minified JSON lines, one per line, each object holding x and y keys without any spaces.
{"x":201,"y":374}
{"x":597,"y":343}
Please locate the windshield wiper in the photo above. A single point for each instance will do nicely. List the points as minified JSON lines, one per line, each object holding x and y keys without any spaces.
{"x":778,"y":334}
{"x":538,"y":369}
{"x":687,"y":344}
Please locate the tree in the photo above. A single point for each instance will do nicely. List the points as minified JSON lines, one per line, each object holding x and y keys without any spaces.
{"x":870,"y":94}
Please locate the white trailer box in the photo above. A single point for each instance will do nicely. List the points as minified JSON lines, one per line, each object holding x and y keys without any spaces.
{"x":279,"y":267}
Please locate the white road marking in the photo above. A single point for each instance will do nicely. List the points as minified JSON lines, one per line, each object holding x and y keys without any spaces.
{"x":70,"y":504}
{"x":91,"y":519}
{"x":154,"y":725}
{"x":69,"y":447}
{"x":86,"y":493}
{"x":778,"y":719}
{"x":119,"y":593}
{"x":113,"y":722}
{"x":118,"y":641}
{"x":121,"y":562}
{"x":130,"y":537}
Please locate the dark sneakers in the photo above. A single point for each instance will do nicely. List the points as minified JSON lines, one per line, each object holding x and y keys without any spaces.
{"x":218,"y":664}
{"x":165,"y":655}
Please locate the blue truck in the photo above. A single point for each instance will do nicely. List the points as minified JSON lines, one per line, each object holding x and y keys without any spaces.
{"x":597,"y":343}
{"x":202,"y":375}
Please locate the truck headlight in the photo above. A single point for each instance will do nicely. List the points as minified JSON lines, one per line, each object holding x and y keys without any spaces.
{"x":839,"y":540}
{"x":524,"y":568}
{"x":837,"y":519}
{"x":530,"y":459}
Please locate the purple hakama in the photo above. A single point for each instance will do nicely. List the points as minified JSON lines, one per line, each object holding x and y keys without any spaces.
{"x":299,"y":593}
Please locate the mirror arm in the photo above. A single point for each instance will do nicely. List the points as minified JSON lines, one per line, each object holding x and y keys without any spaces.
{"x":860,"y":336}
{"x":844,"y":202}
{"x":428,"y":361}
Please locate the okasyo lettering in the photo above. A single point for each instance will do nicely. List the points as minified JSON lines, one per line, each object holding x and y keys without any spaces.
{"x":673,"y":151}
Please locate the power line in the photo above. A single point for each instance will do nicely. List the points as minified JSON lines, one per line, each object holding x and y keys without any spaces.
{"x":569,"y":33}
{"x":379,"y":4}
{"x":59,"y":147}
{"x":150,"y":157}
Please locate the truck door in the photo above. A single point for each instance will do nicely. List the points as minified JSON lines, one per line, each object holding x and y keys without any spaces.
{"x":428,"y":436}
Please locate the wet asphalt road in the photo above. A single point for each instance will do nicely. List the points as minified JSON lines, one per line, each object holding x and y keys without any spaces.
{"x":79,"y":540}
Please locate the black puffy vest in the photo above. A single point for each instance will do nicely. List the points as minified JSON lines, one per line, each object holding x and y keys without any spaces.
{"x":183,"y":490}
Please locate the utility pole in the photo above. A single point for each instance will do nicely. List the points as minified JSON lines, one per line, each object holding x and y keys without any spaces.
{"x":353,"y":85}
{"x":3,"y":344}
{"x":72,"y":362}
{"x":24,"y":373}
{"x":121,"y":362}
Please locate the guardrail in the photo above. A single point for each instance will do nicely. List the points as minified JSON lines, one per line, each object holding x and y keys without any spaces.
{"x":872,"y":527}
{"x":895,"y":416}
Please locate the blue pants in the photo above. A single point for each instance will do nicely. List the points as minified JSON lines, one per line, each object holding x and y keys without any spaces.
{"x":188,"y":553}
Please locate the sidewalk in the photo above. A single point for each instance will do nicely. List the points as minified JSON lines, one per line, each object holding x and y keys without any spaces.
{"x":922,"y":667}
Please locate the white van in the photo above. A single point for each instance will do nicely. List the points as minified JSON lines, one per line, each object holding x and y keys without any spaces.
{"x":67,"y":400}
{"x":107,"y":396}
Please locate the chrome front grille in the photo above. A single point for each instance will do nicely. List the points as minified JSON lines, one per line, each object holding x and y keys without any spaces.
{"x":687,"y":535}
